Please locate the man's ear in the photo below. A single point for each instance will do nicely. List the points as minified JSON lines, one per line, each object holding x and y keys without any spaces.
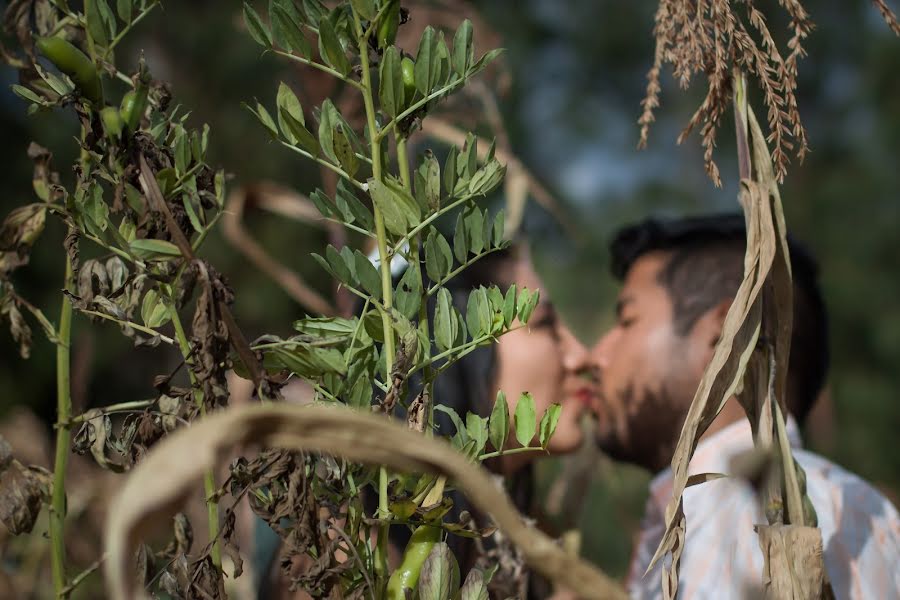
{"x":708,"y":328}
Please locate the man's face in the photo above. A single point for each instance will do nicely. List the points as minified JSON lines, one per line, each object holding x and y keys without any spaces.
{"x":648,"y":371}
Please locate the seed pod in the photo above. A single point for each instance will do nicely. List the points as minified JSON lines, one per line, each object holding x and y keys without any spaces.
{"x":112,"y":122}
{"x":810,"y":518}
{"x":417,"y":550}
{"x":133,"y":105}
{"x":408,"y":72}
{"x":74,"y":63}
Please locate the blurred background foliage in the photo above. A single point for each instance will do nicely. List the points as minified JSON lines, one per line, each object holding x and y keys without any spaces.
{"x":575,"y":77}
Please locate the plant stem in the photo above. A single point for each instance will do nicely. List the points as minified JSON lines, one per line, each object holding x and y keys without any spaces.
{"x":415,"y":262}
{"x":63,"y":438}
{"x":511,"y":451}
{"x":131,"y":324}
{"x":321,"y":67}
{"x":328,"y":165}
{"x":386,"y":285}
{"x":209,"y":478}
{"x":113,"y":408}
{"x":127,"y":28}
{"x":419,"y":104}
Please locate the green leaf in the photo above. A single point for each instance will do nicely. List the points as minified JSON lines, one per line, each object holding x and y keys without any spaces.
{"x":315,"y":11}
{"x":109,"y":18}
{"x":408,"y":204}
{"x":297,"y":134}
{"x":96,"y":27}
{"x":499,"y":228}
{"x":408,"y":295}
{"x":193,"y":217}
{"x":331,"y":49}
{"x":154,"y":312}
{"x":219,"y":184}
{"x":351,"y":206}
{"x":467,"y":163}
{"x":461,"y":436}
{"x":26,"y":94}
{"x":460,"y":240}
{"x":525,"y":419}
{"x":148,"y":249}
{"x":509,"y":305}
{"x":287,"y":102}
{"x":446,"y":328}
{"x":343,"y":149}
{"x":477,"y":429}
{"x":182,"y":152}
{"x":474,"y":231}
{"x":323,"y":203}
{"x":327,"y":120}
{"x":286,"y":29}
{"x":264,"y":117}
{"x":478,"y":313}
{"x":368,"y":275}
{"x":440,"y":62}
{"x":438,"y":259}
{"x":398,"y":208}
{"x":258,"y":30}
{"x":450,"y":171}
{"x":124,"y":9}
{"x":484,"y":61}
{"x":339,"y":266}
{"x":439,"y":578}
{"x":474,"y":587}
{"x":498,"y":428}
{"x":364,"y":8}
{"x":390,"y":83}
{"x":431,"y":174}
{"x":424,"y":70}
{"x":326,"y":327}
{"x":526,"y":303}
{"x":361,"y":393}
{"x":548,"y":423}
{"x":463,"y":49}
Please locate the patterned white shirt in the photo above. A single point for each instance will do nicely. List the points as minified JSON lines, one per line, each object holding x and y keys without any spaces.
{"x":722,"y":558}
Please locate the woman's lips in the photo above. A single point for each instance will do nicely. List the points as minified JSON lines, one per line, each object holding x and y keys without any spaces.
{"x":585,"y":396}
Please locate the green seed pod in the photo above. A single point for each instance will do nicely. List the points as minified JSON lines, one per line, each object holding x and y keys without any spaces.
{"x":406,"y":577}
{"x":134,"y":103}
{"x":408,"y":72}
{"x":112,"y":122}
{"x":387,"y":28}
{"x":801,"y":477}
{"x":74,"y":63}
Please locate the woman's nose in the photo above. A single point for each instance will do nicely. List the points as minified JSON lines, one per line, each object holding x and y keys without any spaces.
{"x":601,"y":351}
{"x":575,"y":355}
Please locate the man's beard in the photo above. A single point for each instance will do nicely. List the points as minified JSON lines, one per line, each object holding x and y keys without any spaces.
{"x":647,"y":428}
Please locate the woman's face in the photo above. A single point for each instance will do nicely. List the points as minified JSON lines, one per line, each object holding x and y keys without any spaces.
{"x":546,"y":360}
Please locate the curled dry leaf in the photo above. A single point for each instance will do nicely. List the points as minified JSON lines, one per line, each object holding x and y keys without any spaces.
{"x":22,"y":490}
{"x":766,"y":273}
{"x":164,"y":479}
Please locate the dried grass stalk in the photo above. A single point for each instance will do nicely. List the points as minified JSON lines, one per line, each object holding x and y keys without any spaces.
{"x":160,"y":483}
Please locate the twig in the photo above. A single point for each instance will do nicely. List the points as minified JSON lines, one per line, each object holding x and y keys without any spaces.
{"x":76,"y":581}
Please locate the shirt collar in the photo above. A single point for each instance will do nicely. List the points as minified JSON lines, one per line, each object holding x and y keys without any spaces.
{"x":714,"y":453}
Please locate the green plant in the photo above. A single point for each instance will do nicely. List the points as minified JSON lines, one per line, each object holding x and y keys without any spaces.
{"x":143,"y":201}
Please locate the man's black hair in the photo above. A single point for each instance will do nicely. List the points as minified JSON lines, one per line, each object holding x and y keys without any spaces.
{"x":705,"y":266}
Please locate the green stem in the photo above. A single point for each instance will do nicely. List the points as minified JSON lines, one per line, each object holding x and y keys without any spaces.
{"x":128,"y":28}
{"x":429,"y":220}
{"x":209,"y":478}
{"x":510,"y":451}
{"x":415,"y":243}
{"x":131,"y":324}
{"x":321,"y":67}
{"x":433,"y":289}
{"x":114,"y":408}
{"x":328,"y":165}
{"x":63,"y":439}
{"x":381,"y":567}
{"x":419,"y":104}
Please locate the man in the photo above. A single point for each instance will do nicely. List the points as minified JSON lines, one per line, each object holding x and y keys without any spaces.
{"x":679,"y":279}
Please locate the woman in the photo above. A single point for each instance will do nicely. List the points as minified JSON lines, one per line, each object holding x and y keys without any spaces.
{"x":542,"y":358}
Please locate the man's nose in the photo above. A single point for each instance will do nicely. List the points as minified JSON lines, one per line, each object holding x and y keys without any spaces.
{"x":601,"y":352}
